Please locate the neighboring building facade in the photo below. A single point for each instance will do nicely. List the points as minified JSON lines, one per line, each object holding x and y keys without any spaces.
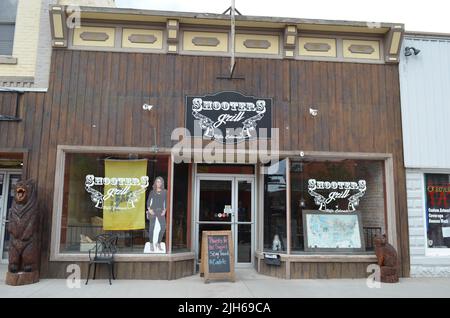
{"x":25,"y":45}
{"x":425,"y":90}
{"x":25,"y":56}
{"x":126,"y":79}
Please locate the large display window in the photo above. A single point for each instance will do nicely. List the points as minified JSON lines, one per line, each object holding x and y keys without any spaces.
{"x":437,"y":213}
{"x":125,"y":195}
{"x":337,"y":206}
{"x":324,"y":206}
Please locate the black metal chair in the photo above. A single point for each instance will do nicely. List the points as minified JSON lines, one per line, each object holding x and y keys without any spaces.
{"x":103,"y":253}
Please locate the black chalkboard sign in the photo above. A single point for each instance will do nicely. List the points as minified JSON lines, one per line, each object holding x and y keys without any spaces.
{"x":217,"y":255}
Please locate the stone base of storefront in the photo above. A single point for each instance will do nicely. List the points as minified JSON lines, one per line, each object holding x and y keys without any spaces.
{"x":430,"y":271}
{"x":317,"y":267}
{"x":422,"y":263}
{"x":430,"y":266}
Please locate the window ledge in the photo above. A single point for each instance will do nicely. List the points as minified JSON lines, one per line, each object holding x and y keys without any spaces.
{"x":6,"y":59}
{"x":127,"y":257}
{"x":335,"y":258}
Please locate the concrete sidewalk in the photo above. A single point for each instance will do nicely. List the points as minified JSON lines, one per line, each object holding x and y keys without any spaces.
{"x":248,"y":284}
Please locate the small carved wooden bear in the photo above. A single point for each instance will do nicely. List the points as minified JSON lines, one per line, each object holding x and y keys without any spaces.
{"x":23,"y":228}
{"x":387,"y":260}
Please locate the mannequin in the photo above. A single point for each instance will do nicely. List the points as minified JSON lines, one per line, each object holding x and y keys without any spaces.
{"x":156,"y":210}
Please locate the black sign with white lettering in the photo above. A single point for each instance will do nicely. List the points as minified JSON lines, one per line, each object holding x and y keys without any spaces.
{"x":228,"y":117}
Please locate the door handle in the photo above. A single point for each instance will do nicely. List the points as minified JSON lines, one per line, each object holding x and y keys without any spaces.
{"x":5,"y":221}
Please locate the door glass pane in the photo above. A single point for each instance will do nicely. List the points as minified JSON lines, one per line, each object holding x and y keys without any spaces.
{"x":244,"y":201}
{"x":14,"y":178}
{"x":209,"y":227}
{"x":215,"y":201}
{"x":244,"y":243}
{"x":275,"y":229}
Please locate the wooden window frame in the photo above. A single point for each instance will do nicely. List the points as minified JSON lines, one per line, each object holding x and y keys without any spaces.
{"x":390,"y":215}
{"x":58,"y":201}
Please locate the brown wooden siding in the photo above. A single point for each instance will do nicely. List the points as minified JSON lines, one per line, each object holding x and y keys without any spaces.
{"x":129,"y":270}
{"x":274,"y":271}
{"x":315,"y":270}
{"x":96,"y":98}
{"x":329,"y":270}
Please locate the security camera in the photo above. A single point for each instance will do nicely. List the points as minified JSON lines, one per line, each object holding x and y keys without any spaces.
{"x":313,"y":112}
{"x":409,"y":51}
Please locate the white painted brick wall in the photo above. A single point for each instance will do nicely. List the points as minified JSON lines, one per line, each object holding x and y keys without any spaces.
{"x":32,"y":43}
{"x":44,"y":51}
{"x":414,"y":184}
{"x":372,"y":204}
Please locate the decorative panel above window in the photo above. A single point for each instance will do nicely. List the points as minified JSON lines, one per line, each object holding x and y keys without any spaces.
{"x":205,"y":41}
{"x":142,"y":39}
{"x":323,"y":47}
{"x":258,"y":43}
{"x":94,"y":36}
{"x":361,"y":49}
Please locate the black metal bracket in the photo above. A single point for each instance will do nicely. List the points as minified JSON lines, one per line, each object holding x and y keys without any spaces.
{"x":231,"y":77}
{"x":229,"y":11}
{"x":226,"y":77}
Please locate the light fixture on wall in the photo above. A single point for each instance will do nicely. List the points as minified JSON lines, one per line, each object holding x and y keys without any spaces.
{"x":313,"y":112}
{"x":147,"y":107}
{"x":409,"y":51}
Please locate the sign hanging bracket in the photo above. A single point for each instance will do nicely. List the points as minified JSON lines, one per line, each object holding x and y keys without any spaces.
{"x":232,"y":11}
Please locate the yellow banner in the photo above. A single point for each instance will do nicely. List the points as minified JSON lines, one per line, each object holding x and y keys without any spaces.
{"x":124,"y":195}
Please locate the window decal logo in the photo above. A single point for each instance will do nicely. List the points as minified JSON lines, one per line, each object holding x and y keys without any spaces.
{"x":337,"y":190}
{"x":119,"y":192}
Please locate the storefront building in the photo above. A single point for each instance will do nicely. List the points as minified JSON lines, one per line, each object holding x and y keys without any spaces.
{"x":124,"y":85}
{"x":424,"y":77}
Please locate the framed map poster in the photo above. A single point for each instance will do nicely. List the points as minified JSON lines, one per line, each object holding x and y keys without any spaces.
{"x":333,"y":232}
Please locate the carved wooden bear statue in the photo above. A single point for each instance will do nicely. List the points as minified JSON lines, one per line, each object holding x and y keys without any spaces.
{"x":387,"y":260}
{"x":23,"y":228}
